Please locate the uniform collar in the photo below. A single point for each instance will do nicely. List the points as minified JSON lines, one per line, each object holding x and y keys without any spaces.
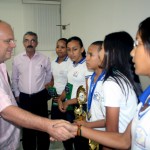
{"x":65,"y":59}
{"x":80,"y":62}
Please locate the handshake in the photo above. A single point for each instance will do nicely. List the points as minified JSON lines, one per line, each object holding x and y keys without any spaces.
{"x":61,"y":130}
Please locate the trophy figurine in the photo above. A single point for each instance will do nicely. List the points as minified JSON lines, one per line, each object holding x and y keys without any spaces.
{"x":80,"y":114}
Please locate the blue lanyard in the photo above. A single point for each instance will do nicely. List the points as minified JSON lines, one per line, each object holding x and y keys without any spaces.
{"x":92,"y":88}
{"x":140,"y":115}
{"x":144,"y":99}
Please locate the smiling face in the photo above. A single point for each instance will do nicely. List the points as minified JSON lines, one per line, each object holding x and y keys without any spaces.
{"x":141,"y":58}
{"x":6,"y":41}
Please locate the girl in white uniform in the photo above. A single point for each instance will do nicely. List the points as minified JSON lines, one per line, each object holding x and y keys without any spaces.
{"x":77,"y":75}
{"x":93,"y":62}
{"x":59,"y":69}
{"x":119,"y":87}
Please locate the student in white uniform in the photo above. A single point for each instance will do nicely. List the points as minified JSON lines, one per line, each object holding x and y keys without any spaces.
{"x":137,"y":134}
{"x":77,"y":75}
{"x":59,"y":68}
{"x":93,"y":62}
{"x":119,"y":87}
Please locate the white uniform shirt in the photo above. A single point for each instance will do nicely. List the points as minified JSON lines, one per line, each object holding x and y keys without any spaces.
{"x":114,"y":97}
{"x":97,"y":110}
{"x":141,"y":129}
{"x":77,"y":76}
{"x":60,"y":71}
{"x":30,"y":75}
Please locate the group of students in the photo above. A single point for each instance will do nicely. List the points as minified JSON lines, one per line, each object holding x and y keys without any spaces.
{"x":107,"y":74}
{"x":114,"y":89}
{"x":69,"y":72}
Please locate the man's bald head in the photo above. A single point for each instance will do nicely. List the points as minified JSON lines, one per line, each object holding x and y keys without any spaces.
{"x":6,"y":41}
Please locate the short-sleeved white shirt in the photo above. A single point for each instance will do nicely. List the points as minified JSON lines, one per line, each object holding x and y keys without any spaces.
{"x":141,"y":129}
{"x":114,"y":97}
{"x":97,"y":110}
{"x":60,"y":71}
{"x":77,"y":76}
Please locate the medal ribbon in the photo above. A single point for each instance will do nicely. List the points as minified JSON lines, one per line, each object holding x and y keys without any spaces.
{"x":92,"y":88}
{"x":144,"y":98}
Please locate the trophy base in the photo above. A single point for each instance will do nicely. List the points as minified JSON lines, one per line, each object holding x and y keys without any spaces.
{"x":93,"y":145}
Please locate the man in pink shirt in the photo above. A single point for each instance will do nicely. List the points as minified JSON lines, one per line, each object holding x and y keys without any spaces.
{"x":11,"y":116}
{"x":31,"y":71}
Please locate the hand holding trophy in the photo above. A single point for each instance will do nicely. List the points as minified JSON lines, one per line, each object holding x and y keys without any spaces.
{"x":80,"y":114}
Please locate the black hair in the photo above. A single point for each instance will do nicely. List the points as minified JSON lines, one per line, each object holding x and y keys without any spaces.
{"x":99,"y":44}
{"x":31,"y":33}
{"x":144,"y":32}
{"x":75,"y":38}
{"x":63,"y":39}
{"x":117,"y":60}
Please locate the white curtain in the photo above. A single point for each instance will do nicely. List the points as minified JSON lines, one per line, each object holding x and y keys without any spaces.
{"x":42,"y":19}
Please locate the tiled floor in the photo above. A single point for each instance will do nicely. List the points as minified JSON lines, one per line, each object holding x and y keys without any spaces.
{"x":56,"y":146}
{"x":53,"y":146}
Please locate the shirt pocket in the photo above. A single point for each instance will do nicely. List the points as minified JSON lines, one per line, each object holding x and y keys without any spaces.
{"x":39,"y":70}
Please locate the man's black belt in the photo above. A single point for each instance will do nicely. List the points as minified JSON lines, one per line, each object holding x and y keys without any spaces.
{"x":34,"y":94}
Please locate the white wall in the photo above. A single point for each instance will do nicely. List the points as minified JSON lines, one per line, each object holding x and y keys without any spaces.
{"x":93,"y":19}
{"x":11,"y":11}
{"x":89,"y":19}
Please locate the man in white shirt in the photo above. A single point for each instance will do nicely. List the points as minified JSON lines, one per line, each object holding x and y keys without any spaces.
{"x":31,"y":71}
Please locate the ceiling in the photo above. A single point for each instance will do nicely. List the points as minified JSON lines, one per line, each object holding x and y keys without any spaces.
{"x":41,"y":1}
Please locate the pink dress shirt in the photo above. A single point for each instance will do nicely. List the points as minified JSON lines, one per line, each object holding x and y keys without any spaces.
{"x":30,"y":75}
{"x":9,"y":133}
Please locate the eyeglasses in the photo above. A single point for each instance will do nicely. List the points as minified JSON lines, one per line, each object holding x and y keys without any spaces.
{"x":9,"y":41}
{"x":137,"y":43}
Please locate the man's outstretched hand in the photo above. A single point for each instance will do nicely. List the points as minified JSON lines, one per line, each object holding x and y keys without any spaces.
{"x":63,"y":130}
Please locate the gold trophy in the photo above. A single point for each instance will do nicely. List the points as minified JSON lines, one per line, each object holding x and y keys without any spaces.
{"x":80,"y":114}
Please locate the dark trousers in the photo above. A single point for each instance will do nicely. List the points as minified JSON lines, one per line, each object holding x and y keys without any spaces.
{"x":37,"y":104}
{"x":56,"y":113}
{"x":81,"y":143}
{"x":69,"y":116}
